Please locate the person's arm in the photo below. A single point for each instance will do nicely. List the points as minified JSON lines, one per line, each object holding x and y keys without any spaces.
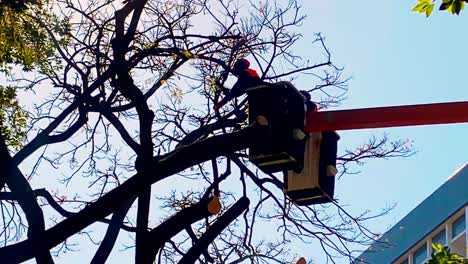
{"x":237,"y":90}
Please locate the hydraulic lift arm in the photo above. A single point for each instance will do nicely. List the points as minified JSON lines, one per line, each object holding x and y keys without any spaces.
{"x":310,"y":161}
{"x":392,"y":116}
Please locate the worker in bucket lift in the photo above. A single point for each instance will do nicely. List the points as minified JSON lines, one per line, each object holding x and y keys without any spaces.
{"x":310,"y":106}
{"x":246,"y":78}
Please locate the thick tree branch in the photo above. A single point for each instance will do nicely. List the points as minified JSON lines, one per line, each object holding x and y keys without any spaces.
{"x":213,"y":231}
{"x":56,"y":206}
{"x":27,"y":200}
{"x":112,"y":233}
{"x":175,"y":224}
{"x":204,"y":131}
{"x":194,"y":238}
{"x":174,"y":162}
{"x":129,"y":90}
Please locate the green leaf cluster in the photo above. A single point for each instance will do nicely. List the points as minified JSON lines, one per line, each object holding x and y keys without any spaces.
{"x":442,"y":255}
{"x":451,"y":6}
{"x":24,"y":39}
{"x":12,"y":118}
{"x":17,"y":5}
{"x":425,"y":7}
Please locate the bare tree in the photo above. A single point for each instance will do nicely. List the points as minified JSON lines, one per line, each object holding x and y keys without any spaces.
{"x":124,"y":125}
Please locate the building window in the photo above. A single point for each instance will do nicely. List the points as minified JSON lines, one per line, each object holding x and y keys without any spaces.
{"x":458,"y":226}
{"x":420,"y":255}
{"x":440,"y":238}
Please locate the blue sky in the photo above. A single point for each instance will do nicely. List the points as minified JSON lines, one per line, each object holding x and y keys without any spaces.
{"x":396,"y":57}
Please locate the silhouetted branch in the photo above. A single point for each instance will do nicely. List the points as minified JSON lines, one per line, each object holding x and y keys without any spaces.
{"x":112,"y":232}
{"x":27,"y":200}
{"x":56,"y":206}
{"x":214,"y":230}
{"x":167,"y":165}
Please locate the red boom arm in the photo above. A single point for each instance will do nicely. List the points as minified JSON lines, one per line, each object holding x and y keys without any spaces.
{"x":392,"y":116}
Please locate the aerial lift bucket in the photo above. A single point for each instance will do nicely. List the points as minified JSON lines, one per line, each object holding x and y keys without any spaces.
{"x":315,"y":184}
{"x":282,"y":108}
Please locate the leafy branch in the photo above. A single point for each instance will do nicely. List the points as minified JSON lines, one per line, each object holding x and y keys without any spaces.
{"x":451,"y":6}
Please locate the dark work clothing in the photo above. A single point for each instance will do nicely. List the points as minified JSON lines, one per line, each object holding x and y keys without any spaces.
{"x":247,"y":78}
{"x":311,"y":106}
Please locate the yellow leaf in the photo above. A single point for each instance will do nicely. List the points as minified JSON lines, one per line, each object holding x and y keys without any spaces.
{"x":187,"y":54}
